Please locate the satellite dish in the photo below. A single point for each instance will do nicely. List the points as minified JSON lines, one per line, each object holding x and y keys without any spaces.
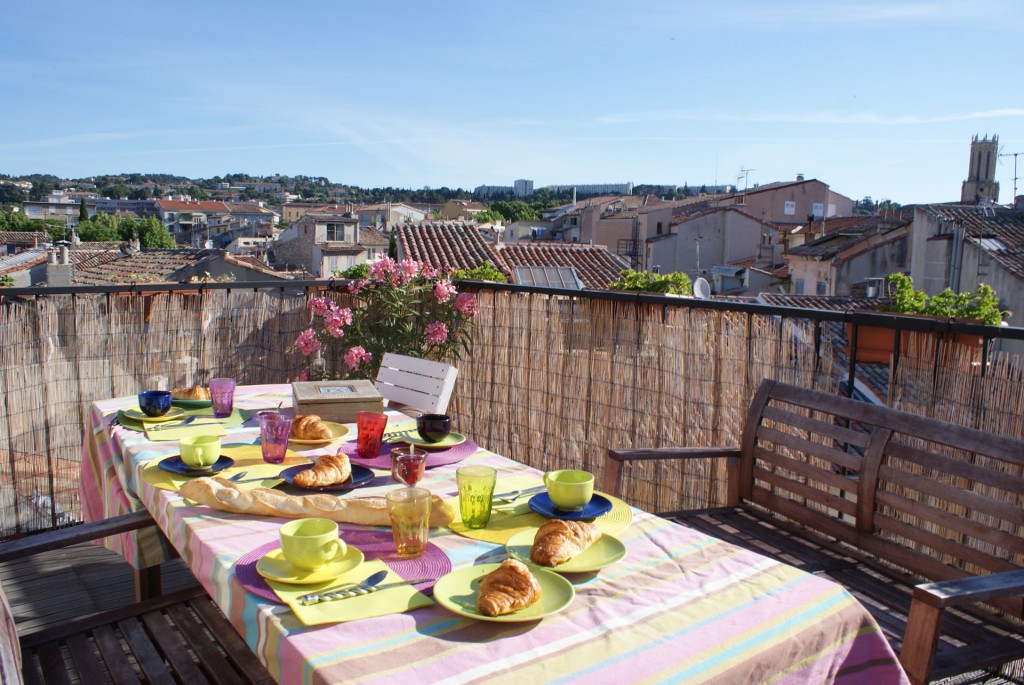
{"x":701,"y":289}
{"x":208,"y":244}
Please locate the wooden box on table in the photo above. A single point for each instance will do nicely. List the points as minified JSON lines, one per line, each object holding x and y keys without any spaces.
{"x":338,"y":401}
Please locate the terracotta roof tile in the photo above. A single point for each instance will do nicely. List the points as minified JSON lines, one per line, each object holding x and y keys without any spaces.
{"x":24,"y":237}
{"x":999,"y":231}
{"x":192,"y":206}
{"x":446,"y":246}
{"x":595,"y":265}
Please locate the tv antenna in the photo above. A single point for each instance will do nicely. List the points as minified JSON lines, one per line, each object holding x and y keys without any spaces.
{"x":1015,"y":177}
{"x":745,"y":174}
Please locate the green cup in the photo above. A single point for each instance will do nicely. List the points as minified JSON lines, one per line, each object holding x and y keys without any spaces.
{"x":569,"y":489}
{"x":200,"y":451}
{"x":311,"y":543}
{"x":476,"y":488}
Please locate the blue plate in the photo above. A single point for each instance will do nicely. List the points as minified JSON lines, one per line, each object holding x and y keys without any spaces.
{"x":360,"y":476}
{"x":176,"y":465}
{"x":597,"y":506}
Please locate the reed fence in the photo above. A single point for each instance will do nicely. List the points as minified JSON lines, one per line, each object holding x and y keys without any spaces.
{"x":553,"y":381}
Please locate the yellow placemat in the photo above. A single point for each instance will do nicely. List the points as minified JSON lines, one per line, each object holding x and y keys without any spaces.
{"x":391,"y":601}
{"x":205,"y":427}
{"x":248,"y":458}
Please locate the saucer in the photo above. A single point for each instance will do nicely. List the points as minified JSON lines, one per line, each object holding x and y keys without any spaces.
{"x":273,"y":566}
{"x":193,"y":404}
{"x":360,"y":475}
{"x":411,"y":437}
{"x":176,"y":465}
{"x":139,"y":415}
{"x":597,"y":506}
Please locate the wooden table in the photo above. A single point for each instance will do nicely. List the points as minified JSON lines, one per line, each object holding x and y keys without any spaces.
{"x":680,"y":607}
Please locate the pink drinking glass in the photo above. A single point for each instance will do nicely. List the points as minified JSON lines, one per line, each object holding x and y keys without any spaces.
{"x":275,"y":428}
{"x":222,"y":396}
{"x":370,"y":433}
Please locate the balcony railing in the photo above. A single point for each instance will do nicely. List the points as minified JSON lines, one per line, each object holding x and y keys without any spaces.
{"x":554,"y":379}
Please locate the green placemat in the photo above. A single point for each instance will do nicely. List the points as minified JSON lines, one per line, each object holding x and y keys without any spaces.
{"x":237,"y":418}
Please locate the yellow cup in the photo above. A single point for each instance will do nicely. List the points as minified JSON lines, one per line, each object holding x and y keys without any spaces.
{"x":569,"y":489}
{"x":311,"y":543}
{"x":200,"y":451}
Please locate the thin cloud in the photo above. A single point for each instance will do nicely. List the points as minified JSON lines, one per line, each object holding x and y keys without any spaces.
{"x":825,"y":117}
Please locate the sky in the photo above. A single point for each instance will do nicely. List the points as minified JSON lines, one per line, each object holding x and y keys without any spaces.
{"x":877,"y":98}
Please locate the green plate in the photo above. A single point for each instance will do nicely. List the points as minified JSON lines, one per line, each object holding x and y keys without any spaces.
{"x":338,"y":430}
{"x":605,"y":552}
{"x":457,"y":593}
{"x":193,"y":404}
{"x":274,"y":566}
{"x":139,"y":415}
{"x":411,"y":437}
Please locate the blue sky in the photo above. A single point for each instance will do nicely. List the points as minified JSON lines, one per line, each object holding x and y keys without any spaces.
{"x":876,"y":98}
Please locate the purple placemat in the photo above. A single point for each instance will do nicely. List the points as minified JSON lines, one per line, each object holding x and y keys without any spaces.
{"x":374,"y":544}
{"x":451,"y":455}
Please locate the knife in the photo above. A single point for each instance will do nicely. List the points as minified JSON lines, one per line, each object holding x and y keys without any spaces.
{"x":314,"y":598}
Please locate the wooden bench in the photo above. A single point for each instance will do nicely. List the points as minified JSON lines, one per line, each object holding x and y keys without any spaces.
{"x":181,"y":637}
{"x":922,"y":520}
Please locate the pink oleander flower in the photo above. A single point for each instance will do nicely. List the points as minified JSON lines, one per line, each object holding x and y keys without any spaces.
{"x":356,"y":287}
{"x":356,"y":357}
{"x":436,"y":333}
{"x":428,"y":272}
{"x":303,"y":375}
{"x":336,"y":320}
{"x":410,"y":269}
{"x":466,"y":304}
{"x":383,"y":270}
{"x":444,"y":291}
{"x":321,"y":305}
{"x":307,"y":342}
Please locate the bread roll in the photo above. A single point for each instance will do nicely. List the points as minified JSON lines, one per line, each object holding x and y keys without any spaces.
{"x":220,"y":493}
{"x":310,"y":427}
{"x":196,"y":392}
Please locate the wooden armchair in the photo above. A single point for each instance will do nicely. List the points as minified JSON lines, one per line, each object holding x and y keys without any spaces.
{"x":180,"y":637}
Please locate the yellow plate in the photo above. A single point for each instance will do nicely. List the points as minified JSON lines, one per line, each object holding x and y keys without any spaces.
{"x":605,"y":552}
{"x":139,"y":415}
{"x":273,"y":566}
{"x":457,"y":593}
{"x":411,"y":437}
{"x":338,"y":430}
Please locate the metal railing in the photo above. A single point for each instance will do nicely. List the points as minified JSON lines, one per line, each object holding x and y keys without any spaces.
{"x":555,"y":377}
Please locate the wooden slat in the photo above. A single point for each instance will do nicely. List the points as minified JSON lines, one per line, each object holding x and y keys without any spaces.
{"x":814,"y":449}
{"x":64,"y":537}
{"x":1008,"y":482}
{"x":951,"y":494}
{"x":954,"y":548}
{"x":118,"y":666}
{"x":217,"y":668}
{"x":976,"y":530}
{"x":172,"y":646}
{"x":234,"y":646}
{"x":806,"y":470}
{"x":867,"y":481}
{"x":52,"y":662}
{"x":741,"y":489}
{"x":146,"y":655}
{"x":805,"y":491}
{"x":815,"y":426}
{"x":85,"y":659}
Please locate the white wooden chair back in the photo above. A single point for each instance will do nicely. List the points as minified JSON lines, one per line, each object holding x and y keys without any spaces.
{"x":419,"y":383}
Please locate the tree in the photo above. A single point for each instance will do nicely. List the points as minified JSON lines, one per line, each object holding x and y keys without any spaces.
{"x":139,"y":194}
{"x":101,"y":228}
{"x":393,"y":245}
{"x":154,"y":234}
{"x":491,"y":216}
{"x":11,"y":194}
{"x":516,"y":211}
{"x":83,"y":211}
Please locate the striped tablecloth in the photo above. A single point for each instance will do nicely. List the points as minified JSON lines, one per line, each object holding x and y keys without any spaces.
{"x":681,"y":607}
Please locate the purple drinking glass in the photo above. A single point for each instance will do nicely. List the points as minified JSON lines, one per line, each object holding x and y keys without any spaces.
{"x":222,"y":396}
{"x":275,"y":428}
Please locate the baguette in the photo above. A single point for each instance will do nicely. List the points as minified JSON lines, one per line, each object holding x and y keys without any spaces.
{"x":220,"y":493}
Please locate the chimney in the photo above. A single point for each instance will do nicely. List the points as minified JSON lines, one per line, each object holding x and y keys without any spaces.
{"x":799,"y":177}
{"x":59,"y":270}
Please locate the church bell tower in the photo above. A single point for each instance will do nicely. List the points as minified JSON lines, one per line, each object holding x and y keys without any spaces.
{"x":981,"y":177}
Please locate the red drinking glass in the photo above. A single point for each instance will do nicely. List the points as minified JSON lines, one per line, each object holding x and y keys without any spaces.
{"x":408,"y":465}
{"x":370,"y":433}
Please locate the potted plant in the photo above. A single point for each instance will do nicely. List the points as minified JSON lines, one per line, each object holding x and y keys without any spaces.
{"x":675,"y":283}
{"x":875,"y":344}
{"x":403,"y":307}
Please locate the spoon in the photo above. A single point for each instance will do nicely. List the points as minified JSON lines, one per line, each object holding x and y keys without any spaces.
{"x":369,"y":581}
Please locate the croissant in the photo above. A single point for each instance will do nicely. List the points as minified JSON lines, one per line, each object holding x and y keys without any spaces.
{"x":329,"y":469}
{"x":310,"y":427}
{"x":195,"y":392}
{"x":558,"y":541}
{"x":508,"y":588}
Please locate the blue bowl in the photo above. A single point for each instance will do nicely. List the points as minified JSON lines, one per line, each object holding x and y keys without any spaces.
{"x":155,"y":402}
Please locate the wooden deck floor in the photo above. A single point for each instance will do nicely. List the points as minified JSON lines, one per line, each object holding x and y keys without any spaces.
{"x":52,"y":587}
